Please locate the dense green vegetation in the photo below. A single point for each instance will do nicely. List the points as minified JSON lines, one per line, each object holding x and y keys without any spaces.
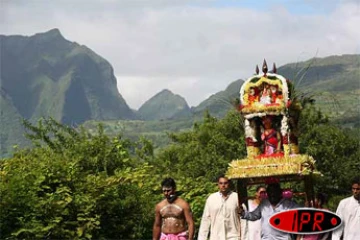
{"x":77,"y":184}
{"x":156,"y":131}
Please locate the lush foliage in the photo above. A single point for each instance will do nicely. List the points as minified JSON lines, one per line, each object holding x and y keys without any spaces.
{"x":79,"y":185}
{"x":206,"y":150}
{"x":337,"y":151}
{"x":76,"y":186}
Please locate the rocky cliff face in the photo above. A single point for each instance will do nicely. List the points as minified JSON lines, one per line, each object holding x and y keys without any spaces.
{"x":47,"y":75}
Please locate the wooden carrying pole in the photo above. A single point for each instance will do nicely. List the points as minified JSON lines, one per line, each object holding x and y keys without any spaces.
{"x":309,"y":188}
{"x":241,"y":190}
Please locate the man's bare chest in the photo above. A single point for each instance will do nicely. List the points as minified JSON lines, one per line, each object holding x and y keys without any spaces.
{"x":171,"y":210}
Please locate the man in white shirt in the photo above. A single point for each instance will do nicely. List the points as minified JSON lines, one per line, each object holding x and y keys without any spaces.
{"x":251,"y":230}
{"x":220,"y":214}
{"x":349,"y":211}
{"x":268,"y":207}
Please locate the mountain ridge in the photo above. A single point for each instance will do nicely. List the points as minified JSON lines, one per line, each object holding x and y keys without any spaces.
{"x":45,"y":75}
{"x":164,"y":105}
{"x":49,"y":61}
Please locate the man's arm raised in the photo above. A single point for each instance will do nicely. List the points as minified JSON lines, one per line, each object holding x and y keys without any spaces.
{"x":252,"y":216}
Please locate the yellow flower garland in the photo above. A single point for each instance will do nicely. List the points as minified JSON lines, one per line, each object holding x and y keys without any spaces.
{"x":276,"y":82}
{"x":262,"y":108}
{"x":271,"y":166}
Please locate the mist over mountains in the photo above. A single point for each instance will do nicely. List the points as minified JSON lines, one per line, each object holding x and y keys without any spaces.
{"x":46,"y":75}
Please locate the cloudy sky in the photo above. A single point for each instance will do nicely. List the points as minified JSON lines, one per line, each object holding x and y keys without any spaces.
{"x":193,"y":48}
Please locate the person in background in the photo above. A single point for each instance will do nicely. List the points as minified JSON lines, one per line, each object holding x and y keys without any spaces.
{"x":173,"y":217}
{"x":273,"y":204}
{"x":349,"y":212}
{"x":319,"y":201}
{"x":220,"y":217}
{"x":251,"y":230}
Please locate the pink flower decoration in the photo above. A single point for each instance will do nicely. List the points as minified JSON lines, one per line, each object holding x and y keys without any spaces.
{"x":287,"y":193}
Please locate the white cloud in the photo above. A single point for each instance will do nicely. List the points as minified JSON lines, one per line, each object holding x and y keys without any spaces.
{"x":192,"y":49}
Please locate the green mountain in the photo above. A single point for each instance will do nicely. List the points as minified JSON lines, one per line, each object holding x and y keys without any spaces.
{"x":164,"y":105}
{"x":334,"y":82}
{"x":332,"y":74}
{"x":10,"y":125}
{"x":46,"y":75}
{"x":221,"y":102}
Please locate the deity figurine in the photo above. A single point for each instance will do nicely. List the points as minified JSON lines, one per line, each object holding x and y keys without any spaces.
{"x":265,"y":94}
{"x":253,"y":95}
{"x":271,"y":137}
{"x":274,"y":94}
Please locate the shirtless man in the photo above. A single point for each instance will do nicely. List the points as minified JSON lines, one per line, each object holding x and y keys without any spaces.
{"x":173,"y":218}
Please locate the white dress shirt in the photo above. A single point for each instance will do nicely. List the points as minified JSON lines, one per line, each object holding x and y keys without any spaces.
{"x":221,"y":217}
{"x":250,"y":230}
{"x":349,"y":212}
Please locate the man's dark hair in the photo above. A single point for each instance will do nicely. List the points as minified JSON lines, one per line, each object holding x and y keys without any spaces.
{"x":221,"y":176}
{"x":322,"y":197}
{"x":168,"y":182}
{"x":273,"y":186}
{"x":356,"y":180}
{"x":258,"y":188}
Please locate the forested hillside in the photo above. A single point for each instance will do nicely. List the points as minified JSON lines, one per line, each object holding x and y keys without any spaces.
{"x":334,"y":82}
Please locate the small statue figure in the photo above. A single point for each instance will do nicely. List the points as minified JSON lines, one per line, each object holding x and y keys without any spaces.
{"x":253,"y":96}
{"x":265,"y":94}
{"x":275,"y":96}
{"x":271,"y":137}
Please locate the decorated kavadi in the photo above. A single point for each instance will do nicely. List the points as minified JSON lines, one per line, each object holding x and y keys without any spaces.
{"x":271,"y":112}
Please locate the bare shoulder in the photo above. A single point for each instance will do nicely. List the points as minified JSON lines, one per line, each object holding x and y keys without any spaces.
{"x":160,"y":204}
{"x":182,"y":203}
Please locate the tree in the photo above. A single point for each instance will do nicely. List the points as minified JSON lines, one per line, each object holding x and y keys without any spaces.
{"x":74,"y":185}
{"x":205,"y":150}
{"x":336,"y":151}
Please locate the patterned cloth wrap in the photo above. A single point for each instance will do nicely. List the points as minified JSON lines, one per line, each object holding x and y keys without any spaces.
{"x":179,"y":236}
